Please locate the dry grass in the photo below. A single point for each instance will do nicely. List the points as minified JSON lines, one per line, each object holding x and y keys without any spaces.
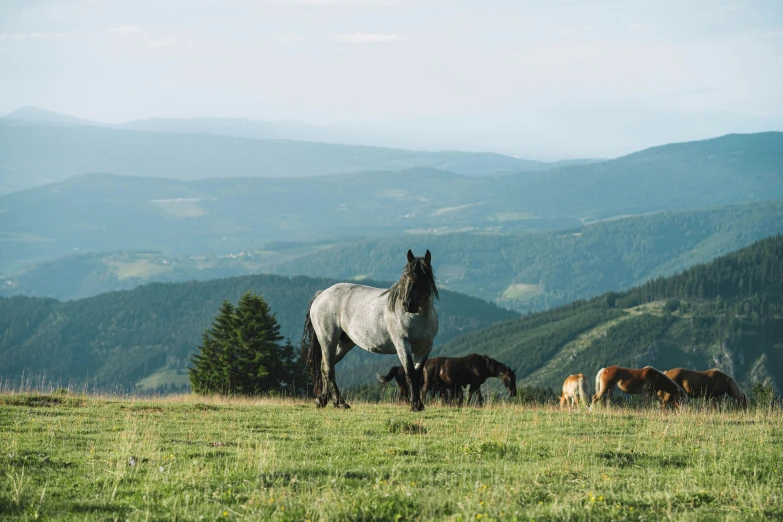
{"x":189,"y":457}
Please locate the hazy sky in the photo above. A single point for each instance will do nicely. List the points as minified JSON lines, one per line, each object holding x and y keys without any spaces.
{"x":337,"y":60}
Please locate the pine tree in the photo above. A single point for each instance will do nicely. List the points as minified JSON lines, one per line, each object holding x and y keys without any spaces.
{"x":208,"y":373}
{"x":242,"y":353}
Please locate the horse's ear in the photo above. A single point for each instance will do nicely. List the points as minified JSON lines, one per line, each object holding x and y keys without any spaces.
{"x":411,"y":257}
{"x":427,"y":257}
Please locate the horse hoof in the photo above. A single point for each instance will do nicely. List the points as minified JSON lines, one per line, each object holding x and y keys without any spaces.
{"x":320,"y":403}
{"x":343,"y":406}
{"x":417,"y":407}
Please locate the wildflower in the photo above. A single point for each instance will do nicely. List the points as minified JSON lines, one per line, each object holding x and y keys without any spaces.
{"x":630,"y":508}
{"x":225,"y":513}
{"x":600,"y":499}
{"x":481,"y":503}
{"x":413,"y":483}
{"x":478,"y":516}
{"x":540,"y":503}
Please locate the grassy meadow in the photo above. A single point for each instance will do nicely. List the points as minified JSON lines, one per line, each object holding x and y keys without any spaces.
{"x":77,"y":457}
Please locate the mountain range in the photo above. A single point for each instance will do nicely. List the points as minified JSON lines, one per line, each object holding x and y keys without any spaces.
{"x":222,"y":216}
{"x":727,"y":313}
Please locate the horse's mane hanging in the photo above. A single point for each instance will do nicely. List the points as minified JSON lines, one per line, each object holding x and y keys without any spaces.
{"x":396,"y":293}
{"x":496,"y":366}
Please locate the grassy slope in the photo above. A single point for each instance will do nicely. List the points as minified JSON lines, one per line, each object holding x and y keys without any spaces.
{"x":263,"y":460}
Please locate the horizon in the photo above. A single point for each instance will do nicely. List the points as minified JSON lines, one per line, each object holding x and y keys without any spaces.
{"x":540,"y":81}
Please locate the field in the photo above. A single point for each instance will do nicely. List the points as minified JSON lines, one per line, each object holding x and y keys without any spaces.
{"x":77,"y":457}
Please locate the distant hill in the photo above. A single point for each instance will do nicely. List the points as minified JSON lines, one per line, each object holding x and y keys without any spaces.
{"x":49,"y":148}
{"x":102,"y":212}
{"x":120,"y":338}
{"x":522,"y":272}
{"x":36,"y":116}
{"x":540,"y":271}
{"x":727,"y":313}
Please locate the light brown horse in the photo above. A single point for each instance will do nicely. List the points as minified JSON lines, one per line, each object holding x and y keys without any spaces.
{"x":710,"y":384}
{"x":574,"y":391}
{"x":647,"y":380}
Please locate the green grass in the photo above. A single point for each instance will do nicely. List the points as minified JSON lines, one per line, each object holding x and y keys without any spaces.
{"x":186,"y":458}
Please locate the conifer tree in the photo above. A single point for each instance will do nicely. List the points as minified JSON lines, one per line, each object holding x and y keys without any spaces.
{"x":242,"y":353}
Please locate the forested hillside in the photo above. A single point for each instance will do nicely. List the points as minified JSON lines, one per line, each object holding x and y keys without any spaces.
{"x":540,"y":271}
{"x":522,"y":272}
{"x":221,"y":215}
{"x":119,"y":338}
{"x":727,"y":313}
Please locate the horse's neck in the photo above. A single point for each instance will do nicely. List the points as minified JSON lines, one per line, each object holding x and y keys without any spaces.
{"x":494,"y":368}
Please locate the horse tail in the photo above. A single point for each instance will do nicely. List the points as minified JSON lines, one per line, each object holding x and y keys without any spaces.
{"x":389,"y":376}
{"x":311,"y":352}
{"x":598,"y":379}
{"x":736,"y":392}
{"x":581,"y":389}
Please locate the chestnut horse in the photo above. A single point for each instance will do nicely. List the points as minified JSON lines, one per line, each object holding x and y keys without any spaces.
{"x":648,"y":381}
{"x":710,"y":384}
{"x":451,"y":374}
{"x":574,"y":392}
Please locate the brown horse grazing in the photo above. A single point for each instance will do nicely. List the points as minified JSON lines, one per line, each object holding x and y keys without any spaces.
{"x":710,"y":384}
{"x":450,"y":374}
{"x":648,"y":380}
{"x":398,"y":374}
{"x":574,"y":391}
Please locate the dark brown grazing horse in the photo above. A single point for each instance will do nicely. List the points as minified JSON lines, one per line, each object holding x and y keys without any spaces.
{"x":710,"y":384}
{"x":451,"y":374}
{"x":647,"y":380}
{"x":398,"y":374}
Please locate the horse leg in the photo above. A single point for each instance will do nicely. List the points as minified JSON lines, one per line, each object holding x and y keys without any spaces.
{"x":411,"y":374}
{"x":330,"y":358}
{"x":344,"y":346}
{"x":480,"y":397}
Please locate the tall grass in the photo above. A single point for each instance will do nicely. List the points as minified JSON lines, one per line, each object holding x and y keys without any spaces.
{"x":74,"y":456}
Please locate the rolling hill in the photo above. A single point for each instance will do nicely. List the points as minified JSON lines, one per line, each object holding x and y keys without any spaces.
{"x":102,"y":212}
{"x":523,"y":272}
{"x":540,"y":271}
{"x":727,"y":313}
{"x":121,"y":338}
{"x":47,"y":149}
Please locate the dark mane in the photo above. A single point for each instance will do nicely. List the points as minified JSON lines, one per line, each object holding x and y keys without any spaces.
{"x":410,"y":274}
{"x":496,"y":367}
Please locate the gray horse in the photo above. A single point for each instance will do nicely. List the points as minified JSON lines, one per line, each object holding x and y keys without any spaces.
{"x":401,"y":320}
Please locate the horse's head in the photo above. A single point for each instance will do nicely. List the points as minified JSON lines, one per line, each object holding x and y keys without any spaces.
{"x":417,"y":284}
{"x":509,"y":379}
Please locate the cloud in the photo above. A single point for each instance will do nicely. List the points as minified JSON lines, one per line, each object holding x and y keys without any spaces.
{"x":641,"y":26}
{"x":288,"y":39}
{"x":125,"y":30}
{"x":367,"y":38}
{"x":163,"y":42}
